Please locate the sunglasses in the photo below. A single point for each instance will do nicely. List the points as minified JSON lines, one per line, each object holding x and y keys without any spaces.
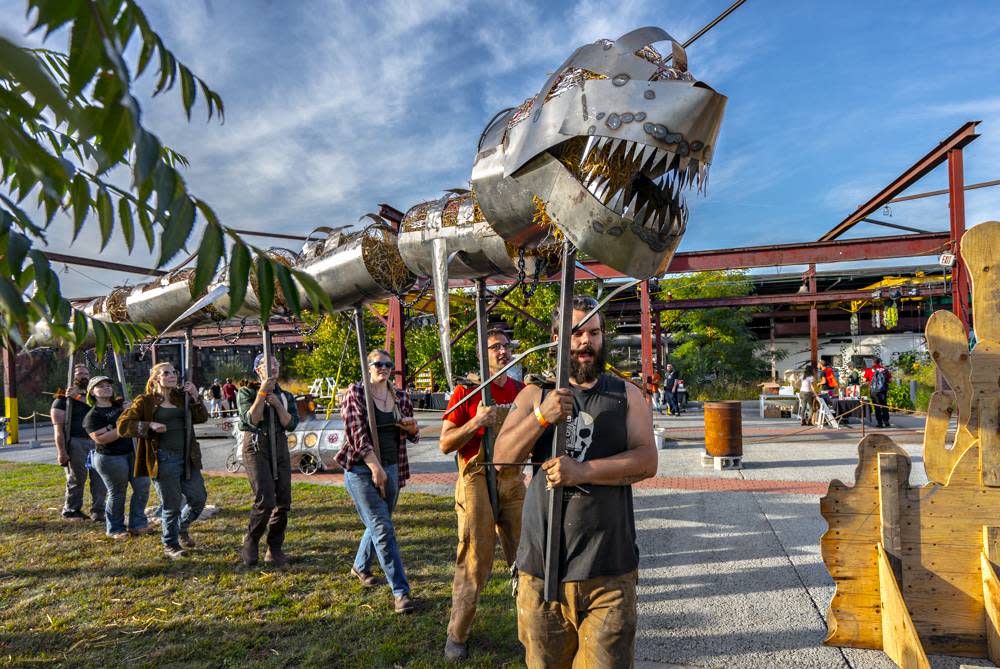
{"x":500,"y":347}
{"x":378,"y":364}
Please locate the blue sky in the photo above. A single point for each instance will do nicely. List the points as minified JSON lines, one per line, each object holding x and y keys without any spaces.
{"x":333,"y":107}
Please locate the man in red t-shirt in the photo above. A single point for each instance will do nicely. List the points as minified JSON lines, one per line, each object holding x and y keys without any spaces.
{"x":229,"y":392}
{"x":462,"y":430}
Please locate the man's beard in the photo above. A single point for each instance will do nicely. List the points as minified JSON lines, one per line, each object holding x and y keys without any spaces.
{"x":587,"y":372}
{"x":82,"y":384}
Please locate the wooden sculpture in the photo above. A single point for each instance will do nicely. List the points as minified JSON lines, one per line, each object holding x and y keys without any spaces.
{"x":916,"y":567}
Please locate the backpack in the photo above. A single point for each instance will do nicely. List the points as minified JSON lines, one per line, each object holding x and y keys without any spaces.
{"x":879,"y":382}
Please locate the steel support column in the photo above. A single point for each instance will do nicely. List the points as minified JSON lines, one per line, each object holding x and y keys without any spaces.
{"x":646,"y":334}
{"x":394,"y":331}
{"x":658,"y":341}
{"x":956,"y":196}
{"x":813,"y":319}
{"x":10,"y":390}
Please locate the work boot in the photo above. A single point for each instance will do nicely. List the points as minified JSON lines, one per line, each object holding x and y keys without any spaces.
{"x":276,"y":557}
{"x":250,"y":551}
{"x":455,"y":651}
{"x":173,"y":552}
{"x":404,"y":604}
{"x":186,"y":540}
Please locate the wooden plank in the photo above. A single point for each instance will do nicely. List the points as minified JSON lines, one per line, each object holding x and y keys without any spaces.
{"x":889,"y":510}
{"x":949,"y":347}
{"x":991,"y":590}
{"x":983,"y":377}
{"x":939,"y":459}
{"x":991,"y":543}
{"x":981,"y":252}
{"x":899,"y":637}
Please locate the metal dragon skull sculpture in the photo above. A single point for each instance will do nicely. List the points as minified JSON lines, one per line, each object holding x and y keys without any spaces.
{"x":604,"y":151}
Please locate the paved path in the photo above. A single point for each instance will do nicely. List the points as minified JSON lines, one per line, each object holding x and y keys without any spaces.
{"x":731,"y":574}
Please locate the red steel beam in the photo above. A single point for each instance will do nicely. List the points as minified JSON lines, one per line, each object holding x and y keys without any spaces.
{"x":917,"y":171}
{"x":960,"y":278}
{"x":646,"y":334}
{"x":102,"y":264}
{"x":802,"y":253}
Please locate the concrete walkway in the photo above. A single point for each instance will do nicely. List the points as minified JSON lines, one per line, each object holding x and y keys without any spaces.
{"x":731,"y":574}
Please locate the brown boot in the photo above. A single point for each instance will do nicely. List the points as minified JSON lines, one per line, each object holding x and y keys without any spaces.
{"x":276,"y":557}
{"x":250,"y":551}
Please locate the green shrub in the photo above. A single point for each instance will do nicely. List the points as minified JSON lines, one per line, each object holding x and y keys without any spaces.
{"x":899,"y":396}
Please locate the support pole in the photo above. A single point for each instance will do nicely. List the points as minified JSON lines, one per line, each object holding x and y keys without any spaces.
{"x":68,"y":421}
{"x":959,"y":275}
{"x":813,"y":319}
{"x":265,"y":335}
{"x":120,"y":372}
{"x":658,"y":341}
{"x":555,"y":516}
{"x":188,"y":423}
{"x":646,"y":336}
{"x":10,"y":390}
{"x":366,"y":381}
{"x":482,"y":325}
{"x":396,"y":323}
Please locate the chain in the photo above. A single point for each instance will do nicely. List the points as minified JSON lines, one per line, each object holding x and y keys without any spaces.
{"x":231,"y":339}
{"x":308,"y":331}
{"x":528,"y":289}
{"x":90,"y":357}
{"x":419,"y":296}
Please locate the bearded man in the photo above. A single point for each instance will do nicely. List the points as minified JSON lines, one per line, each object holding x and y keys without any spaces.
{"x":74,"y":448}
{"x":609,"y":447}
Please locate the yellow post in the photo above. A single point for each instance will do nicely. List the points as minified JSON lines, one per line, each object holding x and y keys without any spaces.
{"x":10,"y":390}
{"x":10,"y":408}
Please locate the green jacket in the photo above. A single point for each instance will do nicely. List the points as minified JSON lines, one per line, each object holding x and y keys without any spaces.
{"x":245,"y":398}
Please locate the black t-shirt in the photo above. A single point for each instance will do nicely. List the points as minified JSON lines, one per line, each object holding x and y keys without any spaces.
{"x":668,"y":381}
{"x":80,"y":409}
{"x":388,"y":437}
{"x":216,"y":391}
{"x":598,"y":532}
{"x":100,"y":417}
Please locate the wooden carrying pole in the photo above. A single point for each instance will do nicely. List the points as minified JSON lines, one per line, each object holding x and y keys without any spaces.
{"x":188,"y":376}
{"x":265,"y":335}
{"x":482,"y":327}
{"x":366,"y":381}
{"x":68,"y":422}
{"x":555,"y":516}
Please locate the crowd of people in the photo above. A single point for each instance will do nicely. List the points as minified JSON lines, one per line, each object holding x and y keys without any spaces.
{"x":824,"y":382}
{"x":609,"y":447}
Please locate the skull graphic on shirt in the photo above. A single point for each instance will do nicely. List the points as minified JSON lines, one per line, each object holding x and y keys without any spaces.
{"x":579,"y":435}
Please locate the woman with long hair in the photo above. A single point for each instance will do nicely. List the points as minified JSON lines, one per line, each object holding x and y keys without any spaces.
{"x":373,"y":481}
{"x":114,"y":460}
{"x":167,"y":453}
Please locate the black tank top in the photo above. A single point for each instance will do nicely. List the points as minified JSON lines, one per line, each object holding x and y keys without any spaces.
{"x":598,"y":534}
{"x":388,"y":437}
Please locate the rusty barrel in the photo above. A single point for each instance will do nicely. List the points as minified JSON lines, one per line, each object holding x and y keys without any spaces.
{"x":724,"y":429}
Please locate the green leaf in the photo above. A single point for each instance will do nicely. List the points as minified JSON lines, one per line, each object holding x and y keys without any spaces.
{"x":188,"y":90}
{"x":79,"y":328}
{"x":128,"y":226}
{"x":40,"y":262}
{"x":239,"y":276}
{"x":147,"y":154}
{"x":80,"y":200}
{"x":146,"y":225}
{"x":288,"y":288}
{"x":52,"y":14}
{"x":18,"y":64}
{"x":209,"y":254}
{"x":85,"y":49}
{"x":117,"y":335}
{"x":100,"y":337}
{"x":17,"y":249}
{"x":177,"y":229}
{"x":10,"y":297}
{"x":116,"y":137}
{"x":165,"y":183}
{"x":265,"y":285}
{"x":105,"y":216}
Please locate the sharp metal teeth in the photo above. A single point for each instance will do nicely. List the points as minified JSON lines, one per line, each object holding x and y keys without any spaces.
{"x":595,"y":185}
{"x":612,"y":146}
{"x":640,"y":214}
{"x":591,"y":141}
{"x":652,"y":158}
{"x":616,"y":201}
{"x":630,"y":207}
{"x":630,"y":152}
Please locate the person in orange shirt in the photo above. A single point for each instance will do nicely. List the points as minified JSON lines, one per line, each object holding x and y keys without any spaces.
{"x":462,"y":430}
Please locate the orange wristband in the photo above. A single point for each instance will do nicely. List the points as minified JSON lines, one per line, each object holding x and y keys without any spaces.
{"x":541,"y":419}
{"x":261,"y":394}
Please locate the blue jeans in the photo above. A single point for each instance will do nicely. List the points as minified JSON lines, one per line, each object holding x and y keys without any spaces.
{"x":116,"y":471}
{"x":173,"y":490}
{"x":379,"y":539}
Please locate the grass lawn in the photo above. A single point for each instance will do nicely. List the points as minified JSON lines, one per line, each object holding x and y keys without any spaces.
{"x":71,"y":597}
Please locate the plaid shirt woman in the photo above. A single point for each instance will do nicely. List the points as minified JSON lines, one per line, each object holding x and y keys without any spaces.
{"x":373,"y":480}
